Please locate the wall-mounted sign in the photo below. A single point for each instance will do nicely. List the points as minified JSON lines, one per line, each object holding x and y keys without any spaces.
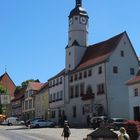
{"x":4,"y":99}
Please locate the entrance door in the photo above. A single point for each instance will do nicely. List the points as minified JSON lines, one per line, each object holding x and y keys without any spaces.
{"x":136,"y":113}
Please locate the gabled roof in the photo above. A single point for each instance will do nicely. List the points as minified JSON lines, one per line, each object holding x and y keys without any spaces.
{"x":45,"y":85}
{"x":35,"y":85}
{"x":135,"y":79}
{"x":6,"y":74}
{"x":99,"y":52}
{"x":103,"y":132}
{"x":19,"y":93}
{"x":20,"y":96}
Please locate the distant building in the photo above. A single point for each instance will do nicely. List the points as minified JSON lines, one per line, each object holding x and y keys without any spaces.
{"x":7,"y":82}
{"x":134,"y":97}
{"x":28,"y":105}
{"x":42,"y":103}
{"x":93,"y":81}
{"x":17,"y":102}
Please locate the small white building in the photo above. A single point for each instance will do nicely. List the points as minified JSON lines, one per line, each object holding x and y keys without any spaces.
{"x":134,"y":97}
{"x":56,"y":97}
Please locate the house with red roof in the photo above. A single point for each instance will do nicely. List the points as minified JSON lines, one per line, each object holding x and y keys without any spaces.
{"x":7,"y":82}
{"x":93,"y":81}
{"x":28,"y":104}
{"x":134,"y":96}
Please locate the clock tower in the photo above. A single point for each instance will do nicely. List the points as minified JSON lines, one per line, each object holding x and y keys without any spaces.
{"x":77,"y":36}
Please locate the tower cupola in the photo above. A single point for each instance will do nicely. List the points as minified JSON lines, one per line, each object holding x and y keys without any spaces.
{"x":77,"y":35}
{"x":78,"y":10}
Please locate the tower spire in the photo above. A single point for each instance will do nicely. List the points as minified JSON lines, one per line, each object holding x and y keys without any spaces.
{"x":78,"y":3}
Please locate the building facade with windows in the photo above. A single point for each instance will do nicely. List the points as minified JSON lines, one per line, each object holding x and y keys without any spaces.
{"x":134,"y":97}
{"x":94,"y":75}
{"x":7,"y":82}
{"x":56,"y":97}
{"x":42,"y":103}
{"x":28,"y":103}
{"x":16,"y":103}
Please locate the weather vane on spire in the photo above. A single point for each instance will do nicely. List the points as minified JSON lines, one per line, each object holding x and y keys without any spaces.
{"x":78,"y":2}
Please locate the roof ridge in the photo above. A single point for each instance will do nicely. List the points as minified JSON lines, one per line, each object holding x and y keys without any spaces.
{"x":99,"y":52}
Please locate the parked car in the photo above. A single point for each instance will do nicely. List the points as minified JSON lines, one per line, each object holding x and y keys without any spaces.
{"x":28,"y":122}
{"x":97,"y":120}
{"x":116,"y":123}
{"x":12,"y":121}
{"x":41,"y":123}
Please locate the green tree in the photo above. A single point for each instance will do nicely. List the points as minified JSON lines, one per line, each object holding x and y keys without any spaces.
{"x":3,"y":90}
{"x":25,"y":83}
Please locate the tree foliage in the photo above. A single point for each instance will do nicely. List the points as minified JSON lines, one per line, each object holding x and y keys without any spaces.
{"x":3,"y":90}
{"x":25,"y":83}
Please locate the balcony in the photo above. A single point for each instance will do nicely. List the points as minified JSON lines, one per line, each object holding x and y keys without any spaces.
{"x":88,"y":96}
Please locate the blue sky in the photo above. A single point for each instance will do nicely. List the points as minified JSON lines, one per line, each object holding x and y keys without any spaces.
{"x":34,"y":33}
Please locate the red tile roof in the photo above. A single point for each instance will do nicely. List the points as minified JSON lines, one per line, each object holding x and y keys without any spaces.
{"x":35,"y":85}
{"x":20,"y":96}
{"x":99,"y":52}
{"x":45,"y":85}
{"x":135,"y":79}
{"x":19,"y":93}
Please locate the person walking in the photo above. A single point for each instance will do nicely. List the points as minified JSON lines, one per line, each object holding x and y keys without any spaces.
{"x":66,"y":131}
{"x":123,"y":135}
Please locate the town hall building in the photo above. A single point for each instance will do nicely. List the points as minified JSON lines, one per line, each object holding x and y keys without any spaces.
{"x":93,"y":80}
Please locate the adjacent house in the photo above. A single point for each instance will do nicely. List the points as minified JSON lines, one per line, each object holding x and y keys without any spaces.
{"x":28,"y":105}
{"x":7,"y":82}
{"x":134,"y":96}
{"x":93,"y":80}
{"x":17,"y":102}
{"x":42,"y":103}
{"x":56,"y":97}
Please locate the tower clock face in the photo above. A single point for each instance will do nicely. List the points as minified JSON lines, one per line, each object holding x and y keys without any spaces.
{"x":83,"y":20}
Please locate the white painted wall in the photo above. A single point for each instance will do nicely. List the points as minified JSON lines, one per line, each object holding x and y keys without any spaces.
{"x":117,"y":90}
{"x":133,"y":100}
{"x":94,"y":80}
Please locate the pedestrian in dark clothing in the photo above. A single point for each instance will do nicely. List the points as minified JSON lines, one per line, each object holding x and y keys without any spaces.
{"x":66,"y":131}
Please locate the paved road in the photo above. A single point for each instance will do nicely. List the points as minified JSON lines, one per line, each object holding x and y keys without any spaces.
{"x":21,"y":133}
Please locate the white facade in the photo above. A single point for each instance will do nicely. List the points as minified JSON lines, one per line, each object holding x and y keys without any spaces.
{"x":117,"y":91}
{"x":94,"y":77}
{"x":56,"y":97}
{"x":134,"y":100}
